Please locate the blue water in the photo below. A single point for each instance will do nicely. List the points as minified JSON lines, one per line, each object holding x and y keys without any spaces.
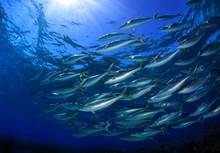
{"x":21,"y":117}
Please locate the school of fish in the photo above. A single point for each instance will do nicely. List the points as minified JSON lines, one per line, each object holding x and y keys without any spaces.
{"x":116,"y":88}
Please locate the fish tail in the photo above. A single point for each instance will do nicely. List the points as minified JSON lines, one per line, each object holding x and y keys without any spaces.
{"x":164,"y":130}
{"x":124,"y":91}
{"x":163,"y":110}
{"x":110,"y":67}
{"x":200,"y":119}
{"x":155,"y":16}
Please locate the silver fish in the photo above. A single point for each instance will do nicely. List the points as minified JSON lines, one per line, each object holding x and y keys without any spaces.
{"x":66,"y":76}
{"x":143,"y":115}
{"x":100,"y":104}
{"x":74,"y":59}
{"x":166,"y":119}
{"x":211,"y":49}
{"x":193,"y":86}
{"x":112,"y":36}
{"x":91,"y":81}
{"x":191,"y":42}
{"x":203,"y":108}
{"x":115,"y":45}
{"x":168,"y":92}
{"x":165,"y":17}
{"x":139,"y":92}
{"x":162,"y":62}
{"x":139,"y":83}
{"x":174,"y":27}
{"x":122,"y":77}
{"x":184,"y":124}
{"x":213,"y":113}
{"x":63,"y":90}
{"x":134,"y":23}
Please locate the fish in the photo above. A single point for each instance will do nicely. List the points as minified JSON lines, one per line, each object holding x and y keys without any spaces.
{"x":133,"y":84}
{"x":134,"y":23}
{"x":76,"y":23}
{"x":68,"y":40}
{"x":139,"y":83}
{"x":113,"y":35}
{"x":128,"y":112}
{"x":91,"y":81}
{"x":166,"y":119}
{"x":203,"y":108}
{"x":101,"y":95}
{"x":166,"y":17}
{"x":194,"y":85}
{"x":66,"y":76}
{"x":74,"y":59}
{"x":162,"y":62}
{"x":210,"y":49}
{"x":191,"y":42}
{"x":168,"y":92}
{"x":63,"y":116}
{"x":127,"y":124}
{"x":92,"y":130}
{"x":101,"y":104}
{"x":64,"y":90}
{"x":139,"y":92}
{"x":146,"y":133}
{"x":138,"y":43}
{"x":114,"y":45}
{"x":136,"y":58}
{"x":174,"y":27}
{"x":143,"y":115}
{"x":48,"y":78}
{"x":186,"y":62}
{"x":141,"y":136}
{"x":37,"y":75}
{"x":123,"y":76}
{"x":49,"y":108}
{"x":166,"y":105}
{"x":70,"y":106}
{"x":184,"y":124}
{"x":60,"y":96}
{"x":197,"y":95}
{"x":212,"y":113}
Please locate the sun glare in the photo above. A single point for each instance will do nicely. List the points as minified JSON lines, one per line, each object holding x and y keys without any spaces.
{"x":66,"y":3}
{"x":81,"y":11}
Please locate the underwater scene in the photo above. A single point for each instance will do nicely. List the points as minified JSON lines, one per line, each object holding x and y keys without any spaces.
{"x":109,"y":76}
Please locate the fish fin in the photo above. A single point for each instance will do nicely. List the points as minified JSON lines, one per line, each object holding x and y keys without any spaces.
{"x":155,"y":16}
{"x":124,"y":91}
{"x":83,"y":75}
{"x":131,"y":33}
{"x":164,"y":130}
{"x":108,"y":124}
{"x":162,"y":110}
{"x":142,"y":65}
{"x":93,"y":112}
{"x":201,"y":119}
{"x":110,"y":67}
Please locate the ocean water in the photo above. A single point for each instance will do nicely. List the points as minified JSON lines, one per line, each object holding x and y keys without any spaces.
{"x":109,"y":76}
